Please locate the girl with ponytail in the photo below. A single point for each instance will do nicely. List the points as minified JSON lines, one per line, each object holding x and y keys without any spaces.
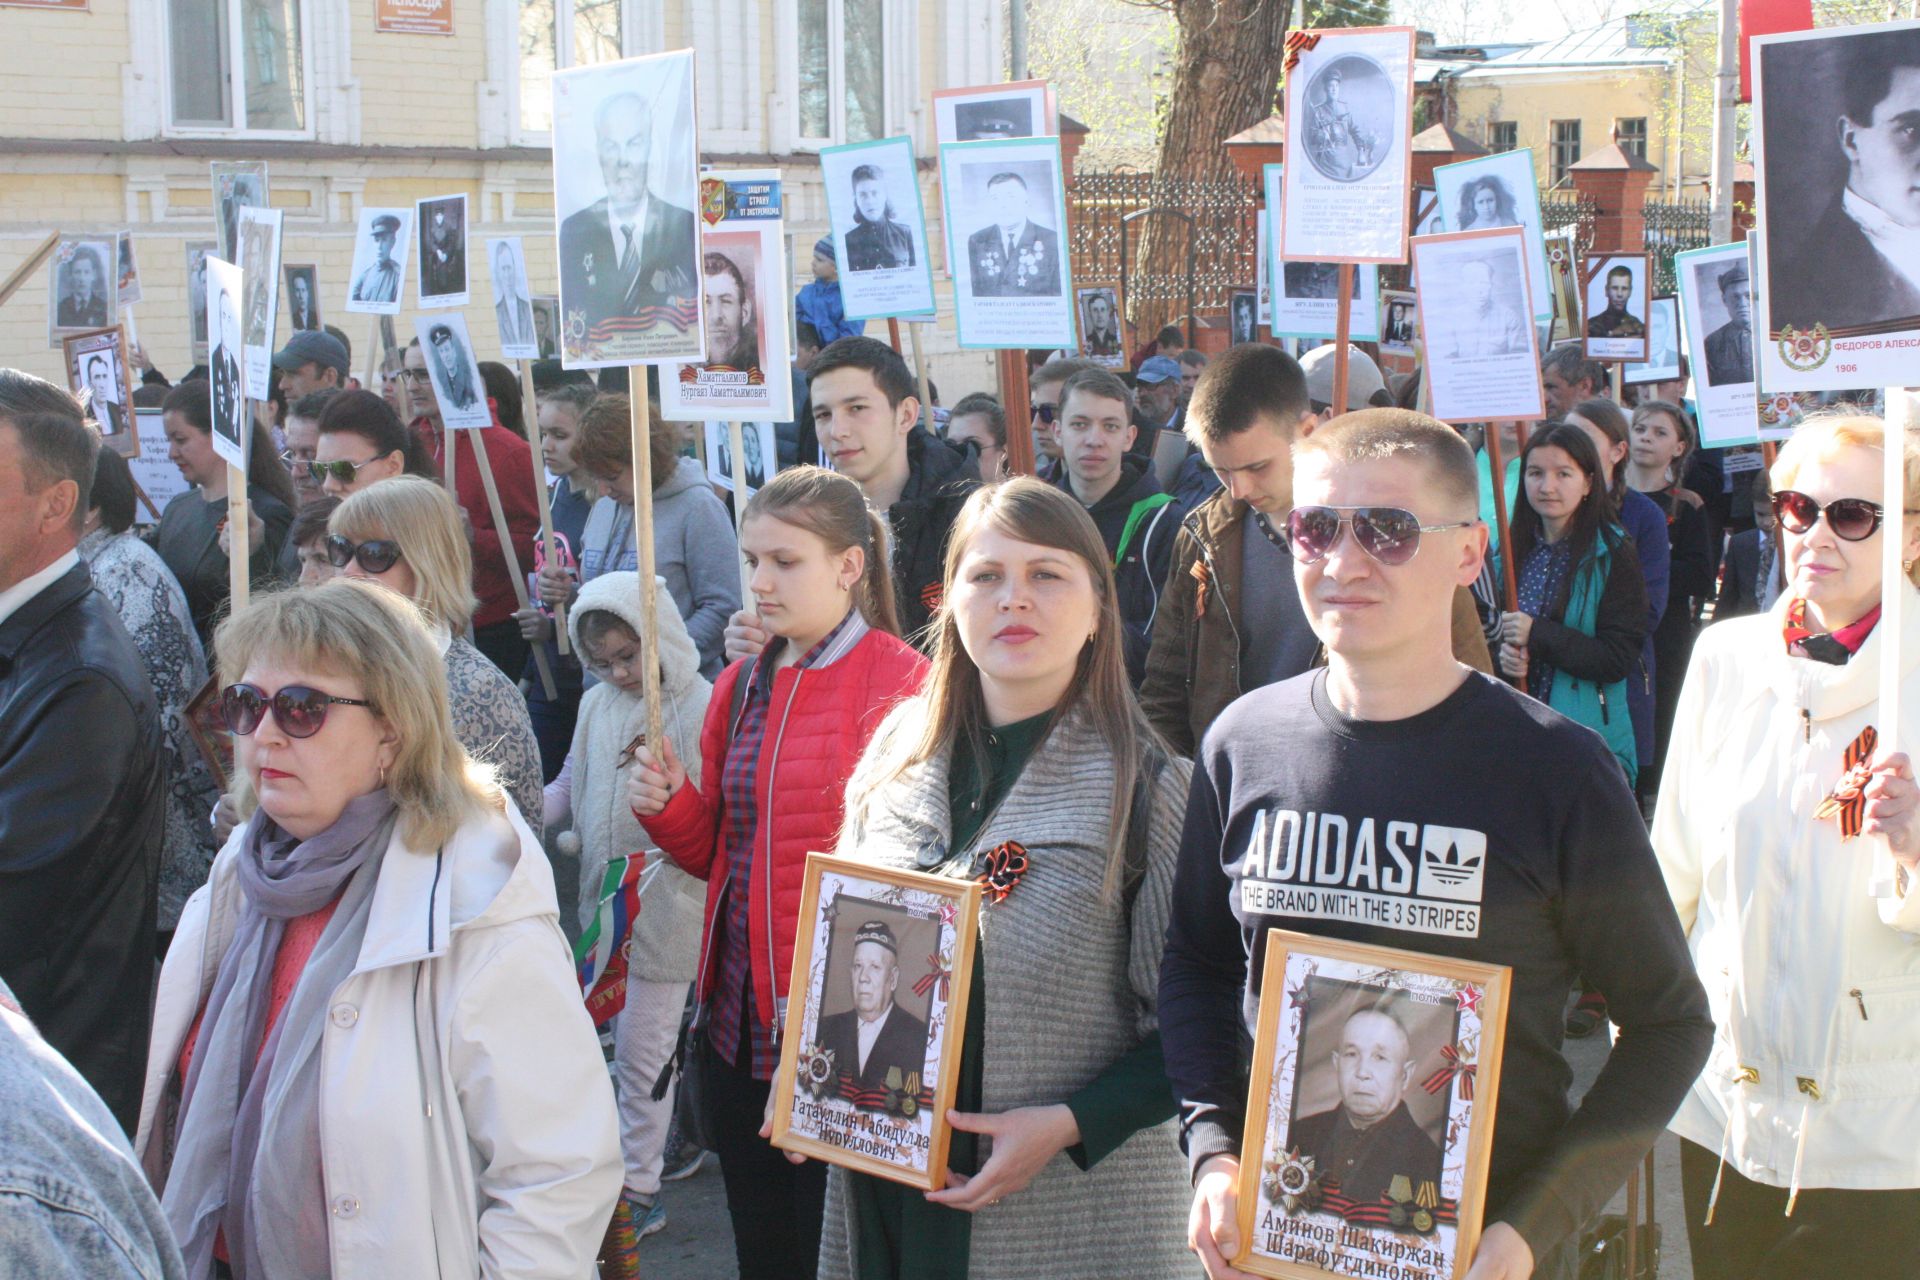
{"x":782,"y":735}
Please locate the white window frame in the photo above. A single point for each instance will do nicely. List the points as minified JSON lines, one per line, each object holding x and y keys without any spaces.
{"x":236,"y":59}
{"x":642,"y":30}
{"x":899,"y":73}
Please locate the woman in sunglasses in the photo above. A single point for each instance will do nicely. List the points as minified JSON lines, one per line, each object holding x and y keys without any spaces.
{"x":369,"y":1056}
{"x":405,"y":535}
{"x":189,"y":536}
{"x":361,"y":441}
{"x":1790,"y":843}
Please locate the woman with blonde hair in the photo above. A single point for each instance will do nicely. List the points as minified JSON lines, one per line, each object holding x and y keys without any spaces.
{"x":996,"y":773}
{"x":1787,"y":832}
{"x":369,"y":1055}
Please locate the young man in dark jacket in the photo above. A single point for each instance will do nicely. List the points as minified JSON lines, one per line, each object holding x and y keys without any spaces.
{"x":1398,"y":798}
{"x":1136,"y":519}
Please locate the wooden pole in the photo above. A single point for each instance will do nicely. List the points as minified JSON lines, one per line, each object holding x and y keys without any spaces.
{"x":893,"y":333}
{"x":28,"y":265}
{"x":373,"y":355}
{"x":1498,"y":467}
{"x":507,"y":549}
{"x":1895,"y":588}
{"x":736,"y":441}
{"x":920,"y":370}
{"x":1014,"y":403}
{"x":1342,"y":327}
{"x":643,"y":544}
{"x":540,"y":490}
{"x":1616,"y":375}
{"x":238,"y":550}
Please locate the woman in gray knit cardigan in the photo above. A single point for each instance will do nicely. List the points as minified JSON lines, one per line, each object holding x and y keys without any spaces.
{"x":1027,"y":746}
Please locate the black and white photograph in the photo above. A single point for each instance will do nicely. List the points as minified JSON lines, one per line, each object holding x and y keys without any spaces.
{"x":1615,"y":288}
{"x":1563,"y":280}
{"x":1499,"y":190}
{"x":1348,"y":115}
{"x":454,"y":369}
{"x":101,"y":375}
{"x":260,"y":271}
{"x":879,"y":229}
{"x":1428,"y":217}
{"x":1243,"y":305}
{"x":197,"y":253}
{"x":743,"y":269}
{"x":129,"y":271}
{"x":225,"y":369}
{"x":1307,"y":304}
{"x":237,"y":185}
{"x":1007,"y":228}
{"x":1370,"y":1068}
{"x":1100,"y":331}
{"x":1019,"y":109}
{"x":546,"y":325}
{"x":625,"y":168}
{"x":441,"y":256}
{"x":81,"y":288}
{"x":1716,"y":320}
{"x":1839,"y":205}
{"x":302,"y":283}
{"x":512,"y":302}
{"x":881,"y":974}
{"x":1473,"y":311}
{"x":1663,"y":344}
{"x":759,"y":448}
{"x":1399,"y":323}
{"x":379,"y":273}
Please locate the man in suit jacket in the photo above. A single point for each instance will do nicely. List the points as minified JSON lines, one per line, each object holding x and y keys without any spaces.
{"x":630,"y":255}
{"x":513,"y":311}
{"x":1370,"y":1139}
{"x":104,"y":401}
{"x":229,"y":399}
{"x":876,"y":1035}
{"x":1013,"y":257}
{"x":1730,"y":347}
{"x":83,"y":305}
{"x":300,"y":303}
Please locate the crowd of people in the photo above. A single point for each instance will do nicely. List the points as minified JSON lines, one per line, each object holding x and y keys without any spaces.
{"x":324,"y":986}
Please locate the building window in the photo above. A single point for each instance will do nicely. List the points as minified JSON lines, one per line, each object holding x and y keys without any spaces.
{"x":841,"y":55}
{"x":237,"y":65}
{"x":1566,"y":150}
{"x":1631,"y":132}
{"x":554,"y":35}
{"x":1503,"y":135}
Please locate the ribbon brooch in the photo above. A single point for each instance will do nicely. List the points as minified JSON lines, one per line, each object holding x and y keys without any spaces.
{"x":1848,"y":799}
{"x":1454,"y":1067}
{"x":1005,"y":865}
{"x":939,"y":975}
{"x":1298,"y":42}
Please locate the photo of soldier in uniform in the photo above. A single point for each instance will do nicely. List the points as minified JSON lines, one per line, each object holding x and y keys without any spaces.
{"x":101,"y":375}
{"x":379,"y":262}
{"x":1616,"y":307}
{"x":453,"y":370}
{"x":1013,"y":256}
{"x":1471,"y":310}
{"x":1241,"y":326}
{"x":1489,"y":323}
{"x":546,"y":326}
{"x":224,"y":362}
{"x":303,"y":298}
{"x":85,"y":294}
{"x":1350,"y":124}
{"x":1726,"y":304}
{"x":236,"y":186}
{"x":442,"y":264}
{"x":1100,"y":324}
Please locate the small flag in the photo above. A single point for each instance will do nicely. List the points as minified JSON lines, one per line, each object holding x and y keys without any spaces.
{"x":601,"y":953}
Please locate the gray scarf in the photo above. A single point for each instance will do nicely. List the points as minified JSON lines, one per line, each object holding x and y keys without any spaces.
{"x":235,"y":1105}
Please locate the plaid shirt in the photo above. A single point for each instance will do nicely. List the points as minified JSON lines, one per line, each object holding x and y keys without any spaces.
{"x":739,"y":789}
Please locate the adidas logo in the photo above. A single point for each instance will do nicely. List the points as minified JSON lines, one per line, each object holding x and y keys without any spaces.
{"x":1452,"y":863}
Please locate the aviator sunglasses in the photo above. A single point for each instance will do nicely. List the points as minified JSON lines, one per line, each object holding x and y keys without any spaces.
{"x":340,"y":470}
{"x":298,"y":710}
{"x":1390,"y":535}
{"x":1851,"y":519}
{"x":376,"y":555}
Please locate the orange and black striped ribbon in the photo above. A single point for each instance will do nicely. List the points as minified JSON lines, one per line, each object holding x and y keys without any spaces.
{"x":1848,"y":799}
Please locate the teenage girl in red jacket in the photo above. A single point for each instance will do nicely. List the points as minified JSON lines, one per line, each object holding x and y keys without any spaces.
{"x":777,"y":754}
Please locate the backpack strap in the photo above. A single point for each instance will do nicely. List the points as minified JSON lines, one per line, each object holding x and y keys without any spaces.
{"x":1141,"y":510}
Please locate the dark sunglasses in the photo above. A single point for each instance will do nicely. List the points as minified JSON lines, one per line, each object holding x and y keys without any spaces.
{"x":375,"y":556}
{"x":298,"y":710}
{"x":1851,"y":519}
{"x":343,"y":471}
{"x":1390,"y":535}
{"x":1046,"y":412}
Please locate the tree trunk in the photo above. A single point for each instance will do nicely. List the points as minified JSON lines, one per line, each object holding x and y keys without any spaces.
{"x":1226,"y":77}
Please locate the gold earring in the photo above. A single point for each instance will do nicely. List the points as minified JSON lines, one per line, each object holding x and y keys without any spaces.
{"x":383,"y":776}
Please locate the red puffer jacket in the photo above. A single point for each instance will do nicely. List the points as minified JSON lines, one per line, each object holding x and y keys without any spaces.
{"x":818,"y":723}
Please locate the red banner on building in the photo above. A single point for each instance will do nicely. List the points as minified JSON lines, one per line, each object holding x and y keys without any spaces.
{"x":1766,"y":18}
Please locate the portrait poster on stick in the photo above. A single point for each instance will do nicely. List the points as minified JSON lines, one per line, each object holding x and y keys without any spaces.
{"x":101,"y":375}
{"x":1006,"y":217}
{"x":442,"y":264}
{"x":1663,"y":344}
{"x":546,"y":325}
{"x":129,"y":291}
{"x":879,"y":228}
{"x":758,"y":445}
{"x":743,"y":296}
{"x":303,"y":296}
{"x":1563,"y":278}
{"x":260,"y":266}
{"x":1017,"y":109}
{"x":1776,"y":412}
{"x":1615,"y":288}
{"x":237,"y":185}
{"x":157,"y":477}
{"x":625,"y":169}
{"x":512,"y":304}
{"x":1483,"y":351}
{"x":198,"y":251}
{"x":1499,"y":190}
{"x":1399,"y":323}
{"x":1348,"y":115}
{"x":454,"y":370}
{"x":1716,"y":318}
{"x":1242,"y":326}
{"x":1426,"y":212}
{"x":1432,"y":1031}
{"x":886,"y":947}
{"x":226,"y":364}
{"x":379,"y":271}
{"x":1307,"y":299}
{"x":1100,"y":331}
{"x":80,"y":287}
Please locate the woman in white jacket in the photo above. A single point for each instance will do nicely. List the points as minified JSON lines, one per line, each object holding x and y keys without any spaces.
{"x":1790,"y":844}
{"x":369,"y":1055}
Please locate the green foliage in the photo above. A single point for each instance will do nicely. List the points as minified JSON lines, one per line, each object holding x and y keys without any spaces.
{"x":1108,"y":61}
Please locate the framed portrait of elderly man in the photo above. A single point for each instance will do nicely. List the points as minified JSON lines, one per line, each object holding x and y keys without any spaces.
{"x":1614,"y":288}
{"x":1101,"y":339}
{"x":453,"y":369}
{"x":82,"y":289}
{"x":1839,"y":209}
{"x":743,"y":274}
{"x":1349,"y":112}
{"x":625,"y":166}
{"x":1472,"y":306}
{"x":512,"y":303}
{"x":260,"y":300}
{"x":1006,"y":217}
{"x":1017,"y":109}
{"x":1375,"y":1077}
{"x":879,"y":228}
{"x":882,"y":965}
{"x":379,"y":273}
{"x":226,"y":365}
{"x":1499,"y":190}
{"x":101,"y":374}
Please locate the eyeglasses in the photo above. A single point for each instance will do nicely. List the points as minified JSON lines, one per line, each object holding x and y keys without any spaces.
{"x":342,"y":470}
{"x":1046,"y":412}
{"x":298,"y":710}
{"x":376,"y":555}
{"x":294,"y":462}
{"x":1851,"y":519}
{"x":602,"y":668}
{"x":1390,"y":535}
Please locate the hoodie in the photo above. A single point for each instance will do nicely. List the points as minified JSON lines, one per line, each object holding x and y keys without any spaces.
{"x":940,"y":479}
{"x":1138,"y":521}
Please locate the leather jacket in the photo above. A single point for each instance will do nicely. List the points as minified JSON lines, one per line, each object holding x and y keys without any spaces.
{"x":82,"y":819}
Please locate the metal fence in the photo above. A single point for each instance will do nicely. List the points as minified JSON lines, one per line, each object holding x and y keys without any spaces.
{"x":1672,"y":228}
{"x":1570,"y":210}
{"x":1214,"y":226}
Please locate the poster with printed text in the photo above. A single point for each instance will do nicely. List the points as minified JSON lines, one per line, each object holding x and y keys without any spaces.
{"x":226,"y":365}
{"x":743,"y":284}
{"x":513,"y":313}
{"x":1483,"y":349}
{"x":81,"y":291}
{"x":1499,"y":190}
{"x":879,"y":228}
{"x":441,"y":258}
{"x":1006,"y":219}
{"x":453,"y":370}
{"x":1616,"y":289}
{"x":260,"y":261}
{"x":414,"y":17}
{"x":1348,"y":118}
{"x":1716,"y":320}
{"x":379,"y":273}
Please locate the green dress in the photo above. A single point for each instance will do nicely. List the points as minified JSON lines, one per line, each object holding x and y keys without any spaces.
{"x":1130,"y":1095}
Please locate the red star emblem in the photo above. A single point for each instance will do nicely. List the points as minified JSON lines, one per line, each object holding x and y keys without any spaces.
{"x":1469,"y":998}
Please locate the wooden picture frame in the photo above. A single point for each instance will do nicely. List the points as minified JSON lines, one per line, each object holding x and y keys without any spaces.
{"x":1596,"y":271}
{"x":115,"y":421}
{"x":1083,"y":295}
{"x":931,"y":924}
{"x":208,"y":727}
{"x":1441,"y":1026}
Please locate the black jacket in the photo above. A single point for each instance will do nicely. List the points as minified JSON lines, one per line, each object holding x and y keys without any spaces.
{"x":901,"y":1045}
{"x":82,"y":793}
{"x":1837,"y":278}
{"x":940,"y":478}
{"x":1619,"y":626}
{"x":1140,"y":567}
{"x":1395,"y":1147}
